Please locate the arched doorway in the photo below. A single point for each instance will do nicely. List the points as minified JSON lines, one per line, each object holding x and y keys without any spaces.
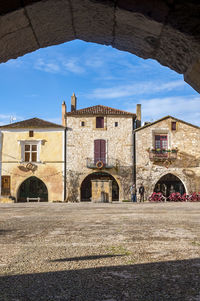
{"x":32,"y":188}
{"x":86,"y":186}
{"x":168,"y":184}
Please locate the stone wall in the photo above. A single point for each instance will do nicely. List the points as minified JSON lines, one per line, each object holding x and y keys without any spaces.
{"x":119,"y":149}
{"x":187,"y":165}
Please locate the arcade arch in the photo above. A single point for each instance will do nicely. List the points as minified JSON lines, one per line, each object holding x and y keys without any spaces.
{"x":32,"y":188}
{"x":86,"y":185}
{"x":167,"y":31}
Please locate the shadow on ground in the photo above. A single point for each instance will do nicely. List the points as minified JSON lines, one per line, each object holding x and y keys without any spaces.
{"x":172,"y":280}
{"x":92,"y":257}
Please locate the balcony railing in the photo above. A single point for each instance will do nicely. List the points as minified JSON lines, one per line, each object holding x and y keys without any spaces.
{"x":162,"y":155}
{"x":100,"y":163}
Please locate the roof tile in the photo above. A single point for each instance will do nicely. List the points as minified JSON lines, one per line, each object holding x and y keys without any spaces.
{"x":99,"y":110}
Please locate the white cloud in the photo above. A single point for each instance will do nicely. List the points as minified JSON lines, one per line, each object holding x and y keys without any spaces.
{"x":184,"y":107}
{"x":50,"y":67}
{"x":139,"y":88}
{"x":72,"y":65}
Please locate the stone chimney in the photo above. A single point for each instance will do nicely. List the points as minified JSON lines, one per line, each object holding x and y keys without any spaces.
{"x":64,"y":113}
{"x":138,"y":115}
{"x":73,"y":102}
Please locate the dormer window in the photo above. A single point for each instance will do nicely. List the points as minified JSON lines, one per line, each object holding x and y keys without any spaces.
{"x":99,"y":122}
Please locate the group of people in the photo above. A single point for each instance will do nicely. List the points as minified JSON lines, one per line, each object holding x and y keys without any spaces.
{"x":133,"y":191}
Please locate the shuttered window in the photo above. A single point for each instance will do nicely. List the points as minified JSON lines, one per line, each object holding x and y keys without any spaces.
{"x":99,"y":122}
{"x":5,"y":185}
{"x":99,"y":151}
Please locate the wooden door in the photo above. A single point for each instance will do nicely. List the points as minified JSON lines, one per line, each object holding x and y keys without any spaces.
{"x":5,"y":185}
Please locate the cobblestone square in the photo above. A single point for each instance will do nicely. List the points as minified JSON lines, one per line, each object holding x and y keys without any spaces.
{"x":85,"y":251}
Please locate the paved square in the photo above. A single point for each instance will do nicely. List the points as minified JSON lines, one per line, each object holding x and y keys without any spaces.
{"x":97,"y":252}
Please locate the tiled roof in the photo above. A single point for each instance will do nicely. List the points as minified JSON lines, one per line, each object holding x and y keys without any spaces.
{"x":99,"y":110}
{"x":31,"y":123}
{"x":166,"y":117}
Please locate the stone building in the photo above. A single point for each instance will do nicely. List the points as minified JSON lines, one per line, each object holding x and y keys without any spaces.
{"x":99,"y":152}
{"x":168,"y":156}
{"x":32,"y":161}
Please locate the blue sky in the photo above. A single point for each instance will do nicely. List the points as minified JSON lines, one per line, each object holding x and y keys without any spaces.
{"x":36,"y":84}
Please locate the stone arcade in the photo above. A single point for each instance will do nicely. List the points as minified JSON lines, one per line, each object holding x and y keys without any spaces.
{"x":95,"y":156}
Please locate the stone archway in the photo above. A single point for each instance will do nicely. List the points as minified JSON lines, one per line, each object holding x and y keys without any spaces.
{"x":167,"y":31}
{"x":168,"y":184}
{"x":86,"y":185}
{"x":32,"y":189}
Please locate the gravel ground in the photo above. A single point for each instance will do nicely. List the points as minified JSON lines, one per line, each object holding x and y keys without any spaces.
{"x":107,"y":252}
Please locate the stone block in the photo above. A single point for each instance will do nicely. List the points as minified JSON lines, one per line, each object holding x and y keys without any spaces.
{"x":13,"y":22}
{"x":93,"y":21}
{"x":192,"y":76}
{"x":17,"y":43}
{"x":176,"y":50}
{"x":51,"y":21}
{"x":136,"y":33}
{"x":153,"y":9}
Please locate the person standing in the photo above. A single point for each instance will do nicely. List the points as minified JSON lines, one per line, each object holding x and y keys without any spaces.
{"x":133,"y":191}
{"x":141,"y":192}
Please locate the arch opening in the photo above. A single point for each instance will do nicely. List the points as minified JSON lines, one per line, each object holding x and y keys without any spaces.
{"x":32,"y":189}
{"x":86,"y":186}
{"x":168,"y":184}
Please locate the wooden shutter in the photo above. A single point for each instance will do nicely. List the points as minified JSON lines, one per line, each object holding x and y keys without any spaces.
{"x":5,"y":185}
{"x":99,"y":151}
{"x":103,"y":151}
{"x":96,"y":150}
{"x":99,"y":122}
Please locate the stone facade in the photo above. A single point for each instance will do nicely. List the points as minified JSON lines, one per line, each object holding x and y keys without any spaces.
{"x":49,"y":164}
{"x":183,"y":161}
{"x":81,"y":134}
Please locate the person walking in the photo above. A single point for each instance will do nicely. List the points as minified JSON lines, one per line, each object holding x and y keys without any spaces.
{"x":133,"y":191}
{"x":141,"y":192}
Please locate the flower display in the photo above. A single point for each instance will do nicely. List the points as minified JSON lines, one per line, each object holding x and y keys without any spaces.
{"x":175,"y":197}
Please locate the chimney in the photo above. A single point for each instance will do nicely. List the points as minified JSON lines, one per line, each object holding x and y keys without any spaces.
{"x":63,"y":114}
{"x":138,"y":115}
{"x":73,"y":102}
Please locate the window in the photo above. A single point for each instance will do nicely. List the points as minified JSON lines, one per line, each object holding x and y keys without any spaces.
{"x":30,"y":152}
{"x":116,"y":124}
{"x":82,"y":123}
{"x":5,"y":185}
{"x":31,"y":133}
{"x":161,"y":142}
{"x":99,"y":122}
{"x":173,"y":126}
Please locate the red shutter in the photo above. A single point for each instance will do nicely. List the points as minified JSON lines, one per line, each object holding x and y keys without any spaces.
{"x":103,"y":151}
{"x":99,"y":122}
{"x":96,"y":151}
{"x":99,"y":151}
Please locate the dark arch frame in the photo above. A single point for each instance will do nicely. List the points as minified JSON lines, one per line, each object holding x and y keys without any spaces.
{"x":168,"y":184}
{"x":85,"y":189}
{"x":32,"y":188}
